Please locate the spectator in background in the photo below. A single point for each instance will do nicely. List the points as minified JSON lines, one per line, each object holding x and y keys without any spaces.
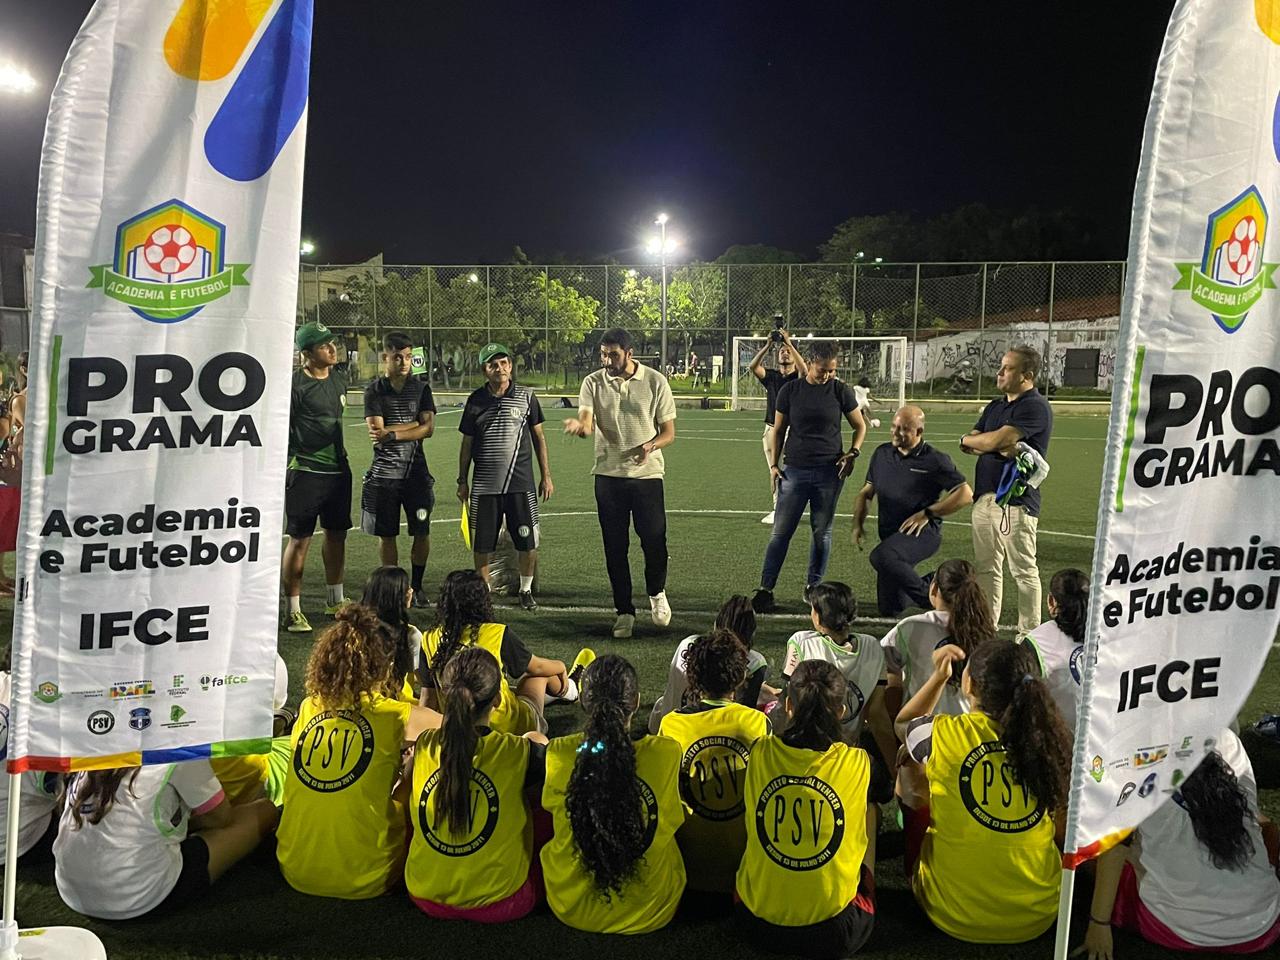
{"x":789,"y":366}
{"x":862,"y":393}
{"x":1007,"y":531}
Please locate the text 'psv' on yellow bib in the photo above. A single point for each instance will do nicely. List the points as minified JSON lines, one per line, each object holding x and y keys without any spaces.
{"x":341,"y":834}
{"x":806,"y":831}
{"x":489,"y":861}
{"x":980,"y":814}
{"x":716,"y":741}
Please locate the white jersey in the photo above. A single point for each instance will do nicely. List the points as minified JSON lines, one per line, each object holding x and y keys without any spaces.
{"x":861,"y":395}
{"x":860,"y":660}
{"x":38,"y":796}
{"x":1179,"y":883}
{"x":126,"y":864}
{"x":908,"y":650}
{"x":1061,"y":666}
{"x":678,"y":681}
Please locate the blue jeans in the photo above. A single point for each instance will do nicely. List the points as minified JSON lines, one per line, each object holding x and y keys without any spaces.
{"x":819,"y":489}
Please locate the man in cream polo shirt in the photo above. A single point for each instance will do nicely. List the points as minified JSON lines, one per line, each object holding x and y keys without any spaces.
{"x":630,"y":410}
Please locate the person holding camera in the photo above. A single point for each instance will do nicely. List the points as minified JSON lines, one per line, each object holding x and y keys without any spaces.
{"x":788,"y":366}
{"x":807,"y":427}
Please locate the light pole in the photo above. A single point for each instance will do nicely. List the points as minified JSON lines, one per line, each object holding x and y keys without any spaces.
{"x":662,"y":246}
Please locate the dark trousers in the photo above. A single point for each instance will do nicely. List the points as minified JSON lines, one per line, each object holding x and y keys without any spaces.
{"x":898,"y":586}
{"x":619,"y":502}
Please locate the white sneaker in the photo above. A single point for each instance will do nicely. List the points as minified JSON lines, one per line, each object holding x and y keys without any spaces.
{"x":767,"y":518}
{"x":622,"y":626}
{"x":660,"y":610}
{"x":875,"y":423}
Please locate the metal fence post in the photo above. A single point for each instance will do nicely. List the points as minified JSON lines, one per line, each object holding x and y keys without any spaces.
{"x":1048,"y":345}
{"x":373,"y":300}
{"x":853,"y":303}
{"x":982,"y":325}
{"x":431,"y":340}
{"x":915,"y":327}
{"x":788,"y":295}
{"x":315,"y":268}
{"x":546,"y":308}
{"x":488,"y":297}
{"x":727,"y":367}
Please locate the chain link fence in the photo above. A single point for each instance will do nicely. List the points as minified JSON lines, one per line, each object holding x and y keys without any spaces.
{"x":959,"y":318}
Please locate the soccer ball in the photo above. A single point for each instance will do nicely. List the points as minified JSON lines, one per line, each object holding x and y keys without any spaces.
{"x":1242,"y":250}
{"x":169,"y":249}
{"x":875,"y":422}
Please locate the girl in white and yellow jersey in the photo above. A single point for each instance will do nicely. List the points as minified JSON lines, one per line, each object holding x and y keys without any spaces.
{"x":466,"y":620}
{"x":612,"y":864}
{"x":997,"y":775}
{"x":342,"y":830}
{"x":806,"y":884}
{"x":715,"y":736}
{"x":471,"y":853}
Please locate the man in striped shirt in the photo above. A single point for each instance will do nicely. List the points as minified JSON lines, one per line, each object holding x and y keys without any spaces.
{"x":501,"y":428}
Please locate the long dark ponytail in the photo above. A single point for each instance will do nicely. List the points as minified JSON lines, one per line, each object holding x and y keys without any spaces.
{"x":464,"y":604}
{"x":603,"y":800}
{"x":385,"y":591}
{"x":1005,"y":677}
{"x":971,"y":621}
{"x":1219,"y":812}
{"x":817,"y":691}
{"x":1070,"y":591}
{"x":469,"y":683}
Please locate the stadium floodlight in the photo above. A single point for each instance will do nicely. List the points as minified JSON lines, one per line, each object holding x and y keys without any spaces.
{"x":307,"y":248}
{"x":661,"y":220}
{"x":632,"y":273}
{"x":859,"y":255}
{"x":16,"y":79}
{"x":662,"y":246}
{"x":473,"y":278}
{"x":879,"y":259}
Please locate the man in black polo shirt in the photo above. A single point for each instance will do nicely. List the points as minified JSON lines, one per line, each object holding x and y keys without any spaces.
{"x":400,"y":412}
{"x":909,"y":475}
{"x":1008,"y":531}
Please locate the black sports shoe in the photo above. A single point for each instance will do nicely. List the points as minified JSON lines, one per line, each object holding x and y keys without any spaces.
{"x":527,"y":601}
{"x":420,"y":601}
{"x":762,"y":601}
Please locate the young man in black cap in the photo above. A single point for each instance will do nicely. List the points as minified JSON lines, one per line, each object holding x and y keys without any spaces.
{"x":318,"y":484}
{"x":501,"y":429}
{"x":401,"y":413}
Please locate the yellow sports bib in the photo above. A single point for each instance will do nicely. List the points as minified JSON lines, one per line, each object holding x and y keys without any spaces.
{"x":510,"y":715}
{"x":806,"y":831}
{"x":716,"y":745}
{"x":341,"y":834}
{"x":490,"y":860}
{"x":651,"y":898}
{"x":988,"y":870}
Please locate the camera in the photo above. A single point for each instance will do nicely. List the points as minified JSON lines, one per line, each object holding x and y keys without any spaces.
{"x":778,"y":323}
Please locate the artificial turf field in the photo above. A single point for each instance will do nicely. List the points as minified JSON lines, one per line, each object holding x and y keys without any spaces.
{"x":716,"y":492}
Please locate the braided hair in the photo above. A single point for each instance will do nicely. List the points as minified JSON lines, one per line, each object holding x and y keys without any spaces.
{"x":464,"y":605}
{"x":603,"y":799}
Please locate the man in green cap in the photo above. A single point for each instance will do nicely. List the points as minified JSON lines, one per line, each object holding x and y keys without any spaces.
{"x":501,"y":429}
{"x":318,"y":484}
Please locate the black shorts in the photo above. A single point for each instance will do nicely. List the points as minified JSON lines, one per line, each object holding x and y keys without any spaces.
{"x":486,"y":512}
{"x":310,"y":496}
{"x":838,"y":936}
{"x":382,"y":500}
{"x":193,"y":882}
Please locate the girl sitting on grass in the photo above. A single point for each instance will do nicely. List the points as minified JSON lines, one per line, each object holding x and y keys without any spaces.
{"x":612,"y":864}
{"x":1059,"y":641}
{"x":806,"y":884}
{"x":342,"y":832}
{"x":387,"y":591}
{"x":471,"y":855}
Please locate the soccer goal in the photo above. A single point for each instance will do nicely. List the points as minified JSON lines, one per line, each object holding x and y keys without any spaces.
{"x":882,"y":360}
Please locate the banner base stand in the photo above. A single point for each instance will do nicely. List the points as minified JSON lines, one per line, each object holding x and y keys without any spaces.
{"x":49,"y":943}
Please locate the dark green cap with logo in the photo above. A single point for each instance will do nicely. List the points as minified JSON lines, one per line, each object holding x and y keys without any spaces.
{"x":491,"y":350}
{"x":312,"y":335}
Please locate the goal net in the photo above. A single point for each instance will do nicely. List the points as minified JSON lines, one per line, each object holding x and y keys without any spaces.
{"x":881,"y":360}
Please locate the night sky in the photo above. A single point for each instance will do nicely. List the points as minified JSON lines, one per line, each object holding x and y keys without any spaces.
{"x":450,"y":132}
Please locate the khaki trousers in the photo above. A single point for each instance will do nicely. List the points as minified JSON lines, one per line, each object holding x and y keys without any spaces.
{"x":992,"y":548}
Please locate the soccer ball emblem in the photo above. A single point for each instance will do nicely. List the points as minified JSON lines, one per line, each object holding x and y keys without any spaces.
{"x":1241,"y":252}
{"x":169,"y":249}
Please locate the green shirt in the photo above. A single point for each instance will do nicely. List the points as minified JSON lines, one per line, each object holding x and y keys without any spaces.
{"x":315,"y":423}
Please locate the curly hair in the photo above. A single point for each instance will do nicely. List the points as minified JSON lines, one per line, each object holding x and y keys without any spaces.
{"x":91,"y":794}
{"x":469,"y":685}
{"x":1219,"y":812}
{"x":354,"y":657}
{"x":836,"y":605}
{"x":464,"y":605}
{"x":716,"y":665}
{"x":385,"y":591}
{"x":971,"y":621}
{"x":739,"y":618}
{"x":603,"y":800}
{"x":817,"y":692}
{"x":1070,"y":591}
{"x":1006,"y":678}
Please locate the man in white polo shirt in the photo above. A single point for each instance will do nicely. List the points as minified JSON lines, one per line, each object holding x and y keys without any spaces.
{"x":629,"y":409}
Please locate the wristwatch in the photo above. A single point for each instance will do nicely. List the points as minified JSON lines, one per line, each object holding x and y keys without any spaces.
{"x":391,"y":434}
{"x":962,"y":436}
{"x":929,"y":514}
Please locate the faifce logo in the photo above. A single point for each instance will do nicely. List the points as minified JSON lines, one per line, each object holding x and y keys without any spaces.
{"x":1231,"y":275}
{"x":169,"y":264}
{"x":206,"y":681}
